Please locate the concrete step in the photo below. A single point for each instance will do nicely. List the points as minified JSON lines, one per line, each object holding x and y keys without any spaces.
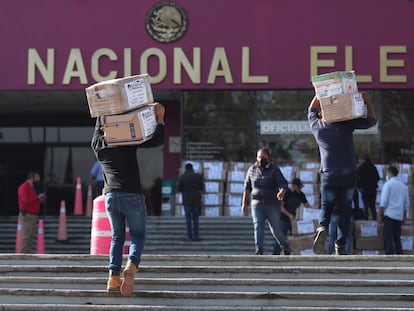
{"x":210,"y":282}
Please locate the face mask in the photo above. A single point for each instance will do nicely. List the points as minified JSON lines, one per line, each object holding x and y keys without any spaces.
{"x":263,"y":162}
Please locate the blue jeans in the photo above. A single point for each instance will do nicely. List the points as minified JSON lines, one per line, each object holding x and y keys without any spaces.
{"x":333,"y":234}
{"x":121,"y":206}
{"x":192,"y":213}
{"x":271,"y":213}
{"x":337,"y":191}
{"x":392,"y":236}
{"x":286,"y":228}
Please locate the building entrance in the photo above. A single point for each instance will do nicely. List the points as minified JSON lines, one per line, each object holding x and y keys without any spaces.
{"x":15,"y":162}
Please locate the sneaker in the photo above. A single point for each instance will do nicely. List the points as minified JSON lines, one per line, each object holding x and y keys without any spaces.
{"x":340,"y":250}
{"x":127,"y":286}
{"x":258,"y":252}
{"x":286,"y":250}
{"x":319,"y":241}
{"x":114,"y":283}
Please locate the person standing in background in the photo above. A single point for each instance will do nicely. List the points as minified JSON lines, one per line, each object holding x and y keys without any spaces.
{"x":124,"y":200}
{"x":393,"y":211}
{"x":266,"y":186}
{"x":367,"y":184}
{"x":293,"y":199}
{"x":191,"y":185}
{"x":29,"y":209}
{"x":96,"y":175}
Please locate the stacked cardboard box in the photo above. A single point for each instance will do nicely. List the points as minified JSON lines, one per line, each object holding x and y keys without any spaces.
{"x":310,"y":177}
{"x":234,"y":188}
{"x":368,"y":236}
{"x":303,"y":230}
{"x":214,"y":176}
{"x":338,"y":96}
{"x":124,"y":107}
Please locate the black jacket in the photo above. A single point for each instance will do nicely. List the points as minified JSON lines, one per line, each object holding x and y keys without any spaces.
{"x":119,"y":164}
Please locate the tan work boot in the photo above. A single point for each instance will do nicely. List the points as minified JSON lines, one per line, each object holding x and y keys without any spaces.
{"x":114,"y":283}
{"x":127,"y":286}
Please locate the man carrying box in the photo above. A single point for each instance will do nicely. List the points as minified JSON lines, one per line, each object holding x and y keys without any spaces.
{"x":124,"y":200}
{"x":338,"y":170}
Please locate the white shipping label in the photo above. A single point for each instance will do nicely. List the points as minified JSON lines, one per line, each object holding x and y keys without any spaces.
{"x":307,"y":252}
{"x":148,"y":121}
{"x":212,"y":211}
{"x":369,"y":229}
{"x":212,"y":199}
{"x":236,"y":187}
{"x":370,"y":252}
{"x":136,"y":93}
{"x":234,"y":200}
{"x":211,"y":186}
{"x":407,"y":243}
{"x":359,"y":106}
{"x":235,"y":211}
{"x":311,"y":213}
{"x":305,"y":226}
{"x":237,"y":176}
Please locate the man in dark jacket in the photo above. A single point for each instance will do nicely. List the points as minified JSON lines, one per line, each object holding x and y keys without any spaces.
{"x":338,"y":170}
{"x":367,"y":184}
{"x":191,"y":185}
{"x":124,"y":200}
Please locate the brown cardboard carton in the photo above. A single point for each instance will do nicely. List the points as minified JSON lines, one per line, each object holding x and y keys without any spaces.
{"x":131,"y":128}
{"x":343,"y":107}
{"x":119,"y":95}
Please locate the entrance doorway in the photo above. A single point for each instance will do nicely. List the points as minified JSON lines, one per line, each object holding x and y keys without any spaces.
{"x":15,"y":162}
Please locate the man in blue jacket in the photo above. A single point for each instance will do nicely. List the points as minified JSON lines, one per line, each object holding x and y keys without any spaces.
{"x":338,"y":170}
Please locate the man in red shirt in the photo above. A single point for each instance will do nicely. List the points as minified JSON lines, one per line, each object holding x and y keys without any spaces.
{"x":29,"y":208}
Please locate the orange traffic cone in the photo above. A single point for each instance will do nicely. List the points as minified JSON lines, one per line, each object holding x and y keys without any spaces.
{"x":89,"y":202}
{"x":40,"y":246}
{"x":62,"y":232}
{"x":18,"y":249}
{"x":78,"y":208}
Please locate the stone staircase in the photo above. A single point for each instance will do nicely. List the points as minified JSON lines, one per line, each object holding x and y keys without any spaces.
{"x":165,"y":235}
{"x":219,"y":273}
{"x":210,"y":282}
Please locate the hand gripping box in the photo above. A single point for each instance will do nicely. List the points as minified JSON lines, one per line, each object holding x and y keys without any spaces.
{"x":131,"y":128}
{"x":343,"y":107}
{"x":119,"y":95}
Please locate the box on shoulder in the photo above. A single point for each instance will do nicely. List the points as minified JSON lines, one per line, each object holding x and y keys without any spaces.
{"x":335,"y":83}
{"x":133,"y":128}
{"x":343,"y":107}
{"x":118,"y":96}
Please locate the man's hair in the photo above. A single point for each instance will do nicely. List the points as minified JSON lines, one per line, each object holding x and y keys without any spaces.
{"x":189,"y":167}
{"x":393,"y":170}
{"x":265,"y":150}
{"x":32,"y":174}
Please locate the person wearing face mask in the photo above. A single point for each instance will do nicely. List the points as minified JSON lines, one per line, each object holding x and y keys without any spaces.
{"x":29,"y":209}
{"x":265,"y":186}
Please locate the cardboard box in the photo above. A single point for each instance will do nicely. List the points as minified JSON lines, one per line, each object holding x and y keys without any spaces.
{"x":304,"y":226}
{"x":369,"y":235}
{"x":306,"y":213}
{"x":335,"y":83}
{"x":213,"y":187}
{"x":343,"y":107}
{"x":131,"y":128}
{"x":119,"y":95}
{"x":299,"y":244}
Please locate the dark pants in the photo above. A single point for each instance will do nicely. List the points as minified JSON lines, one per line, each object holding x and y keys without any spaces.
{"x":286,"y":227}
{"x":192,"y":213}
{"x":337,"y":191}
{"x":368,"y":197}
{"x":392,"y":236}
